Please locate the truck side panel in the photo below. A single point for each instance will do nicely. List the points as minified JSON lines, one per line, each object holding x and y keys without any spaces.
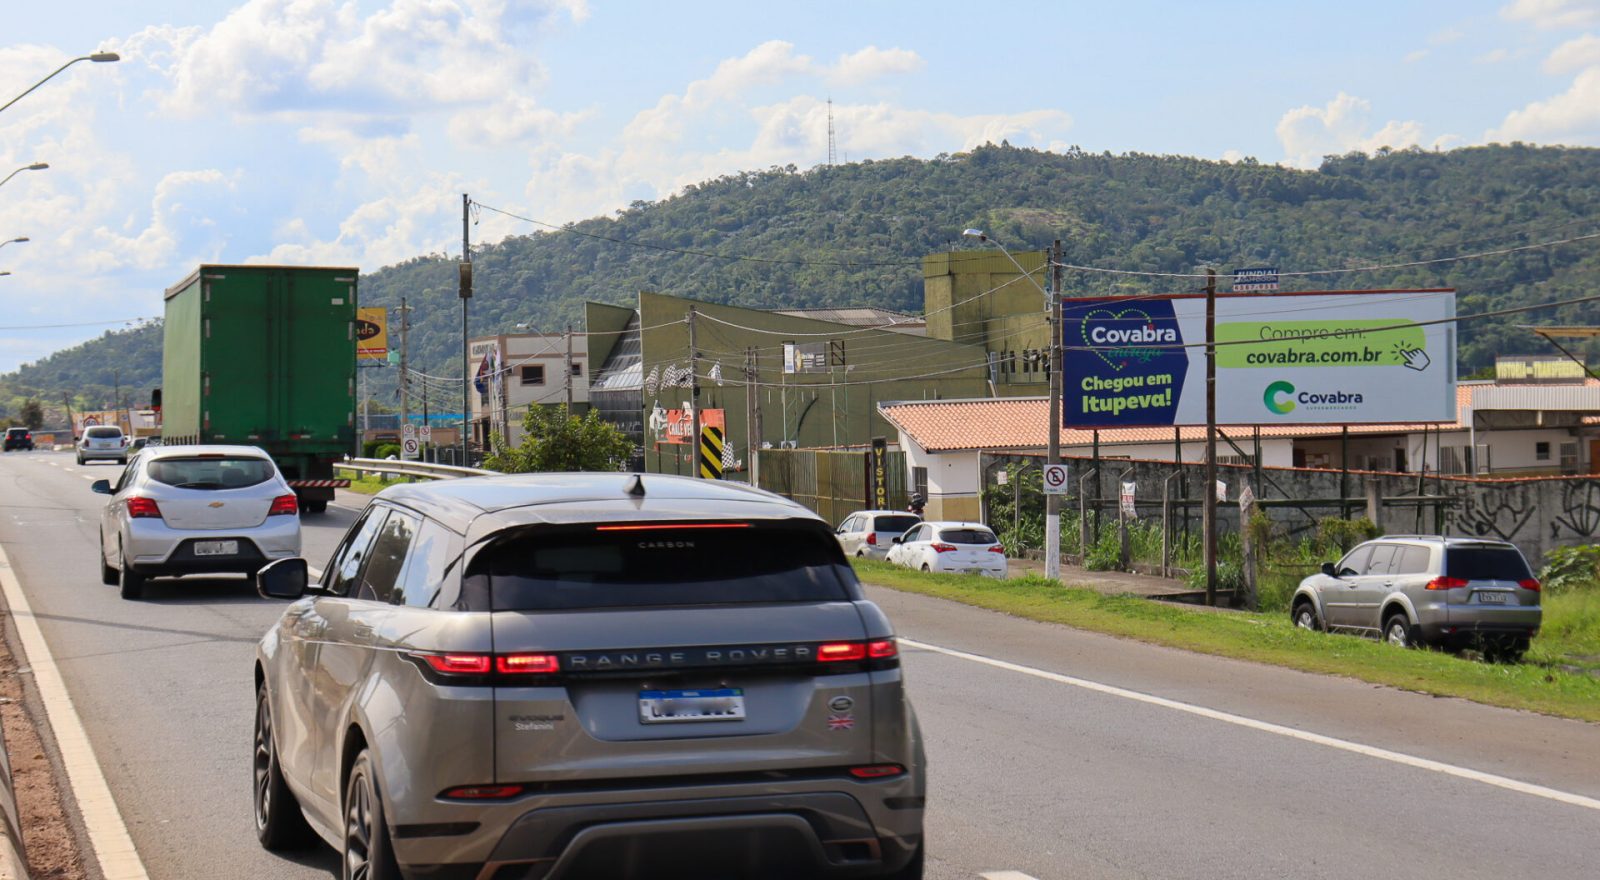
{"x":180,"y":366}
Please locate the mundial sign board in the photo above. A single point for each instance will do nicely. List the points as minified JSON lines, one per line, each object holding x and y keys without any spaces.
{"x":1282,"y":359}
{"x":1259,"y":278}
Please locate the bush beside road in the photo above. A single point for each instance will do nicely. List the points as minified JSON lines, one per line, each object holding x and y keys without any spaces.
{"x":1560,"y":675}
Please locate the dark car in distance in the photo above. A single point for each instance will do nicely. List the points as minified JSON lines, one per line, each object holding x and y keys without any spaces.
{"x":18,"y":438}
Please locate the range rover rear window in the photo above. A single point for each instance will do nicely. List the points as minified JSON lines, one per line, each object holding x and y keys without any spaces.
{"x":656,"y":565}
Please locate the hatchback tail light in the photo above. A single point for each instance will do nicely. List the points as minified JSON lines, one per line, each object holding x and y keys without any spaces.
{"x":1529,"y":584}
{"x":945,"y":548}
{"x":284,"y":505}
{"x":872,"y":538}
{"x":140,"y":507}
{"x":1445,"y":582}
{"x":998,"y":548}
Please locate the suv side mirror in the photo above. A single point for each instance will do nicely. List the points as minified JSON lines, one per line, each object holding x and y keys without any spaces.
{"x":1329,"y":570}
{"x":284,"y":579}
{"x":100,"y":487}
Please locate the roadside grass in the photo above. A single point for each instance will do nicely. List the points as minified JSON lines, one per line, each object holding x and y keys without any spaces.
{"x":369,"y":484}
{"x":1549,"y":681}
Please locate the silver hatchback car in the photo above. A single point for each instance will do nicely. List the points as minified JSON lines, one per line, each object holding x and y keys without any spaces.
{"x":1425,"y":589}
{"x":586,"y":676}
{"x":180,"y":510}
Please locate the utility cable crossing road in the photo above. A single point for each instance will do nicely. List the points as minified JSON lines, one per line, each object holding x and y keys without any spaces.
{"x":1053,"y":753}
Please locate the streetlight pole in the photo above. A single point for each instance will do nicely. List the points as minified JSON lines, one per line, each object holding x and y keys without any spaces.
{"x":1052,"y":311}
{"x":98,"y":57}
{"x":37,"y":166}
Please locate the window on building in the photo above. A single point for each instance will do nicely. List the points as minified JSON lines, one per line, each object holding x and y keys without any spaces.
{"x":533,"y":374}
{"x":1541,"y":451}
{"x":919,"y":481}
{"x":577,"y":369}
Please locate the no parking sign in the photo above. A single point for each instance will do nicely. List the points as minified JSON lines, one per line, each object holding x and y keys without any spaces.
{"x":1055,"y":479}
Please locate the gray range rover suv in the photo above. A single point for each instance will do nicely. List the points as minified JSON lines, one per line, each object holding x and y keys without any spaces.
{"x":586,"y":676}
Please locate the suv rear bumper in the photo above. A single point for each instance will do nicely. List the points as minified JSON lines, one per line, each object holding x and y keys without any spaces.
{"x":1463,"y":622}
{"x":794,"y":835}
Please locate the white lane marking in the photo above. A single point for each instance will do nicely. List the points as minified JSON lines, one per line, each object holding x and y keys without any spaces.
{"x":113,"y":848}
{"x":1005,"y":875}
{"x":1576,"y":800}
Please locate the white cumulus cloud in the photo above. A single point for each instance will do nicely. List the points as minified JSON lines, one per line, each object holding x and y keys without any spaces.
{"x":1554,"y":14}
{"x":1574,"y":55}
{"x":1343,"y":125}
{"x":1572,"y":117}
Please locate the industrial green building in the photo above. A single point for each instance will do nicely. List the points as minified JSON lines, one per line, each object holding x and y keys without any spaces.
{"x":813,"y":378}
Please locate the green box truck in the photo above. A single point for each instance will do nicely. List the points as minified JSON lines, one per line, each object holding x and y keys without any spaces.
{"x":265,"y":356}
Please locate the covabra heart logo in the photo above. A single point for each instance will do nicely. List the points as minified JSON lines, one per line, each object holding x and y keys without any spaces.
{"x":1118,"y":338}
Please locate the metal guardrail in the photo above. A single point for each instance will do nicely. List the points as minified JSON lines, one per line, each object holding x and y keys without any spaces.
{"x":421,"y":469}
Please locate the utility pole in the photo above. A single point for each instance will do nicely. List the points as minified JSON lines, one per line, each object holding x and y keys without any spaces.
{"x":1208,"y":520}
{"x":568,"y":369}
{"x":405,"y":374}
{"x":464,"y":291}
{"x":1052,"y":502}
{"x":72,"y":427}
{"x":694,"y":401}
{"x":751,"y":431}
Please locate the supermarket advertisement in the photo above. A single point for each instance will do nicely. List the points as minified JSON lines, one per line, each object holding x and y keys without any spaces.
{"x":1315,"y":358}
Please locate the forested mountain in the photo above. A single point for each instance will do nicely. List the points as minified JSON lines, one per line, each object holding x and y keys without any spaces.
{"x":854,"y":234}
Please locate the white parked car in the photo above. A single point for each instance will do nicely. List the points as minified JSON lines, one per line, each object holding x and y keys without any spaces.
{"x":964,"y":547}
{"x":103,"y":442}
{"x":867,"y":534}
{"x":180,"y":510}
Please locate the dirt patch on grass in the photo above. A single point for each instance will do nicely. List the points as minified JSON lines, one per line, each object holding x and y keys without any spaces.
{"x":47,"y":834}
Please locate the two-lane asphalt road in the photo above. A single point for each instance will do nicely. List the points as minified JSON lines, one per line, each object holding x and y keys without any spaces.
{"x":1054,"y":753}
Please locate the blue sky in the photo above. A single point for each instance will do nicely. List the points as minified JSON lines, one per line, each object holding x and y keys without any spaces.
{"x":344,"y":131}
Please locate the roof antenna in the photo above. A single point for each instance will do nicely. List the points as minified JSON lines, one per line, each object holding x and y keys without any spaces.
{"x":636,"y":486}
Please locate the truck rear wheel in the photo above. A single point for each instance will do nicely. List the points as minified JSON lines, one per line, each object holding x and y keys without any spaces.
{"x":313,"y":505}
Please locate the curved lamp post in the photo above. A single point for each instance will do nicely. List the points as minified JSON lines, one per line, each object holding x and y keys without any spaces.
{"x":37,"y":166}
{"x":99,"y":57}
{"x":13,"y":241}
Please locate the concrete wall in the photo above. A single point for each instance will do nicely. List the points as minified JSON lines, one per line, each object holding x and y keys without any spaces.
{"x":953,"y":482}
{"x":1538,"y":514}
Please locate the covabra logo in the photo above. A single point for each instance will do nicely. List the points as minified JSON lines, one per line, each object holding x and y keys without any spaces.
{"x":1119,"y":337}
{"x":1281,"y":398}
{"x":1274,"y":392}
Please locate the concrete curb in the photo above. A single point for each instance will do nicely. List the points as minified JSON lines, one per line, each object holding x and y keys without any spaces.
{"x":13,"y":862}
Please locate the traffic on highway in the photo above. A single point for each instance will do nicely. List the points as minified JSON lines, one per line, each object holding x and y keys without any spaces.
{"x":422,"y":711}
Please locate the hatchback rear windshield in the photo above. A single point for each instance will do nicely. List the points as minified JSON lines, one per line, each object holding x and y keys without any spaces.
{"x":222,"y":472}
{"x":104,"y":433}
{"x":16,"y":432}
{"x":562,"y":569}
{"x":1486,"y":563}
{"x":967,"y":536}
{"x":895,"y":524}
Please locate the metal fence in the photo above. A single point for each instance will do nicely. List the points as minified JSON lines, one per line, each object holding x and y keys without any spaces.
{"x":832,"y":482}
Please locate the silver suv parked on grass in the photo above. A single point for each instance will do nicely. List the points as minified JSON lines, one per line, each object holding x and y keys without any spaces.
{"x":1424,"y":589}
{"x":587,"y":676}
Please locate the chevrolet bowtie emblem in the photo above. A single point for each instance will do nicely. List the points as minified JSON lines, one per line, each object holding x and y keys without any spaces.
{"x":215,"y":504}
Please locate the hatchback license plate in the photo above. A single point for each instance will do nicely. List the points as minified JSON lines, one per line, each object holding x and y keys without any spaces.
{"x":1492,"y":598}
{"x":216,"y":548}
{"x":669,"y":707}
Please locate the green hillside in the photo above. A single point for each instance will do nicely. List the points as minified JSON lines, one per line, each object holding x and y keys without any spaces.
{"x":854,"y":234}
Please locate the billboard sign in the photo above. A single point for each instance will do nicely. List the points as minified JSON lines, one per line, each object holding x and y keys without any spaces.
{"x":1300,"y":358}
{"x":1259,"y":278}
{"x":372,"y":334}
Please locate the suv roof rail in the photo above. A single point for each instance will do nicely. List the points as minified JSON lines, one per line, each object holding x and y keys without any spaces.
{"x":1413,"y":537}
